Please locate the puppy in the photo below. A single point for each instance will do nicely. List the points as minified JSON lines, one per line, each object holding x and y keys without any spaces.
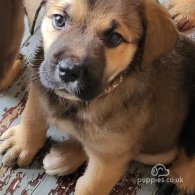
{"x":183,"y":13}
{"x":12,"y":27}
{"x":114,"y":78}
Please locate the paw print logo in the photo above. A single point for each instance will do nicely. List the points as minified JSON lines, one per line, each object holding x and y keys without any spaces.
{"x":160,"y":170}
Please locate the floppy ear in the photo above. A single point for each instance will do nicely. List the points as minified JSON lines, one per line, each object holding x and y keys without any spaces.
{"x":161,"y":34}
{"x":32,"y":8}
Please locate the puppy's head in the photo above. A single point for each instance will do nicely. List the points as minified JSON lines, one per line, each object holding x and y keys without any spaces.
{"x":87,"y":43}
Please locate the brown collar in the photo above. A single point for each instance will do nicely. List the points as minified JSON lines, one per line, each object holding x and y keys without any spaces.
{"x":133,"y":67}
{"x":114,"y":83}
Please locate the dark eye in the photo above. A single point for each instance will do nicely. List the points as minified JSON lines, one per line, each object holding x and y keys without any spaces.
{"x":58,"y":21}
{"x":113,"y":39}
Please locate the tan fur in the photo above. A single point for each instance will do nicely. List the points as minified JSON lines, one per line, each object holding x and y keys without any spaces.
{"x":164,"y":158}
{"x":143,"y":115}
{"x":126,"y":53}
{"x":12,"y":27}
{"x":107,"y":174}
{"x":184,"y":167}
{"x":183,"y":13}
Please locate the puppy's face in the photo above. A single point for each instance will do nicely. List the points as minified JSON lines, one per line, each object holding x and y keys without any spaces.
{"x":87,"y":43}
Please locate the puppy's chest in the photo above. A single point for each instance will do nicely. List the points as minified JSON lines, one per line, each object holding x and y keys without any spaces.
{"x":89,"y":124}
{"x":85,"y":124}
{"x":100,"y":124}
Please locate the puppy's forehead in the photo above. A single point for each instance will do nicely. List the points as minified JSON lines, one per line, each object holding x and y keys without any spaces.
{"x":89,"y":9}
{"x":98,"y":15}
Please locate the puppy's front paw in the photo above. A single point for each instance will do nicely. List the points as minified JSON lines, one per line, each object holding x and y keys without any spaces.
{"x":183,"y":13}
{"x":17,"y":148}
{"x":64,"y":158}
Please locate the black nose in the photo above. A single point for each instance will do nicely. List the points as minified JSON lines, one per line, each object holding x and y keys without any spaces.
{"x":70,"y":74}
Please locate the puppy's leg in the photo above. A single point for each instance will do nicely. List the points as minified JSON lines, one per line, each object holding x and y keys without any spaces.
{"x":184,"y":168}
{"x":102,"y":174}
{"x":22,"y":142}
{"x":64,"y":158}
{"x":183,"y":13}
{"x":11,"y":75}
